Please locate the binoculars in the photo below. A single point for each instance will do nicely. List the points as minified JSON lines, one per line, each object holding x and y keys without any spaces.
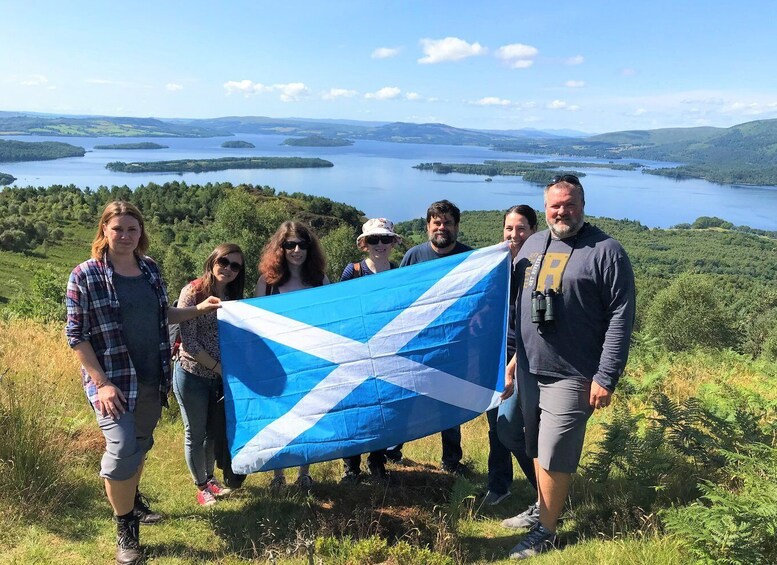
{"x":543,"y":307}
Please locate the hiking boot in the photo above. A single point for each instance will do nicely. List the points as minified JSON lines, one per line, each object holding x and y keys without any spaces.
{"x":394,"y":456}
{"x":378,"y":472}
{"x":538,"y":540}
{"x":459,"y":469}
{"x":526,"y":519}
{"x":304,"y":481}
{"x":492,"y":498}
{"x":349,"y":478}
{"x":128,"y":550}
{"x":143,"y":512}
{"x":216,"y":488}
{"x":277,"y":483}
{"x":205,"y":497}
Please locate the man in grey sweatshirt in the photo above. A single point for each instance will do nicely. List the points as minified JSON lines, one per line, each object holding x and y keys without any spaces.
{"x":575,"y":314}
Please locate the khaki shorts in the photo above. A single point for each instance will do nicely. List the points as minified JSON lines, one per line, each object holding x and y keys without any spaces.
{"x":555,"y":414}
{"x":128,"y":439}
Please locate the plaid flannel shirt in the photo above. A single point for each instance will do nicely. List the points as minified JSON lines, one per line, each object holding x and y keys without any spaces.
{"x":93,"y":315}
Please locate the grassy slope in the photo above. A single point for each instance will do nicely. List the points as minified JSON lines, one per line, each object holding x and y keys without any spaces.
{"x":422,"y":505}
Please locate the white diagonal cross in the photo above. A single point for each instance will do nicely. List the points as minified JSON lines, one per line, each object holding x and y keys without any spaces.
{"x":357,"y":361}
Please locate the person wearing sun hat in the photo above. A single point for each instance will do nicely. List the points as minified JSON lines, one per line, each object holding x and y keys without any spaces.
{"x":377,"y":240}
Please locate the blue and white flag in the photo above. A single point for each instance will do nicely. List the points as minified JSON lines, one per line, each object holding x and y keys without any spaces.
{"x":361,"y":365}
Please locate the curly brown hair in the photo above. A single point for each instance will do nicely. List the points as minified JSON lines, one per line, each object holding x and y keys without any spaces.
{"x":273,"y":267}
{"x":206,"y":285}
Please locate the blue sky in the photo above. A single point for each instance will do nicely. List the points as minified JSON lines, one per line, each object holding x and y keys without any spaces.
{"x":590,"y":66}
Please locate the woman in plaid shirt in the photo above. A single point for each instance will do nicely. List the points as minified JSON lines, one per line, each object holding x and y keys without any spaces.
{"x":117,"y":325}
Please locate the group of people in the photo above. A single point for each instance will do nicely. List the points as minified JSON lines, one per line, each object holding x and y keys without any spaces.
{"x":572,"y":297}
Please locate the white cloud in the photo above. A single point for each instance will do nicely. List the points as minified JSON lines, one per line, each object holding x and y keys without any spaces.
{"x":575,"y":84}
{"x":517,"y":55}
{"x":449,"y":49}
{"x":561,"y":105}
{"x":120,"y":83}
{"x":628,"y":72}
{"x":385,"y":52}
{"x":34,"y":80}
{"x":385,"y":93}
{"x":288,"y":92}
{"x":334,"y":93}
{"x":292,"y":91}
{"x":492,"y":101}
{"x":413,"y":96}
{"x":576,"y":60}
{"x":640,"y":112}
{"x":246,"y":87}
{"x":173,"y":87}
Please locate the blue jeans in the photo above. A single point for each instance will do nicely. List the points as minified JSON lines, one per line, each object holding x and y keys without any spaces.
{"x":198,"y":397}
{"x":505,"y":436}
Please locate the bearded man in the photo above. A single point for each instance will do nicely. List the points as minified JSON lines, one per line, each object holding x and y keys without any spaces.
{"x":574,"y":318}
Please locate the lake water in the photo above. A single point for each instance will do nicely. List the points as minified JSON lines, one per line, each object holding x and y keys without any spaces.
{"x":378,"y":178}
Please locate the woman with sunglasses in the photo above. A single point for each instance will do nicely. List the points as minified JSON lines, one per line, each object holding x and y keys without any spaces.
{"x":377,"y":240}
{"x":197,"y":377}
{"x":505,"y":423}
{"x":292,"y":260}
{"x":117,"y":316}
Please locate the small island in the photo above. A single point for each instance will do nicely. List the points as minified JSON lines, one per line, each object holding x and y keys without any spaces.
{"x":143,"y":145}
{"x":204,"y":165}
{"x":15,"y":151}
{"x":535,"y":172}
{"x":239,"y":144}
{"x":317,"y":141}
{"x":6,"y":179}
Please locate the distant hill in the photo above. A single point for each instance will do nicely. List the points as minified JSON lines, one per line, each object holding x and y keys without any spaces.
{"x":742,"y":154}
{"x":99,"y":126}
{"x":402,"y":132}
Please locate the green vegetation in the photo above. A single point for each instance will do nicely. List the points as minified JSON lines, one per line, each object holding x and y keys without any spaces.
{"x":203,"y":165}
{"x":317,"y":141}
{"x":537,"y":172}
{"x":742,"y":154}
{"x":11,"y":151}
{"x":143,"y":145}
{"x":100,"y":127}
{"x":6,"y":179}
{"x":238,"y":144}
{"x":681,"y":468}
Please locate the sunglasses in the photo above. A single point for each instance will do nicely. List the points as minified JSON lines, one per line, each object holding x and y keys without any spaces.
{"x":223,"y":262}
{"x":375,"y":239}
{"x":571,"y":179}
{"x":289,"y":245}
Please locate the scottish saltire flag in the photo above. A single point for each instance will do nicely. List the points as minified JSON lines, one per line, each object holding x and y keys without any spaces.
{"x":364,"y":364}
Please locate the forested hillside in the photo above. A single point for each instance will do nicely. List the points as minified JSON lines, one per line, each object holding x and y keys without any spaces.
{"x":682,"y":467}
{"x":744,"y":153}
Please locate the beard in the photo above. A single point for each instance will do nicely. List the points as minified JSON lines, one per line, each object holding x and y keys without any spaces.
{"x":562,"y":231}
{"x":442,"y":239}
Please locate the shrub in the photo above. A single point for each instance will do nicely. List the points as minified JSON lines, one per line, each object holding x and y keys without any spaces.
{"x":735,"y":522}
{"x":43,"y":299}
{"x":688,"y":314}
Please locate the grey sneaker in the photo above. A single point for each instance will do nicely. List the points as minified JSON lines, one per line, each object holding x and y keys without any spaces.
{"x":526,"y":519}
{"x":304,"y":481}
{"x":277,"y":483}
{"x":492,"y":498}
{"x":538,"y":540}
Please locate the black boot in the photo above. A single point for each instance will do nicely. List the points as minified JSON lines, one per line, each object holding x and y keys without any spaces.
{"x":143,"y":512}
{"x":128,"y":550}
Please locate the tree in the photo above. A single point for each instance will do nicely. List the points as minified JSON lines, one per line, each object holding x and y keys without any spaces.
{"x":340,"y":249}
{"x":689,"y":313}
{"x":244,"y":219}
